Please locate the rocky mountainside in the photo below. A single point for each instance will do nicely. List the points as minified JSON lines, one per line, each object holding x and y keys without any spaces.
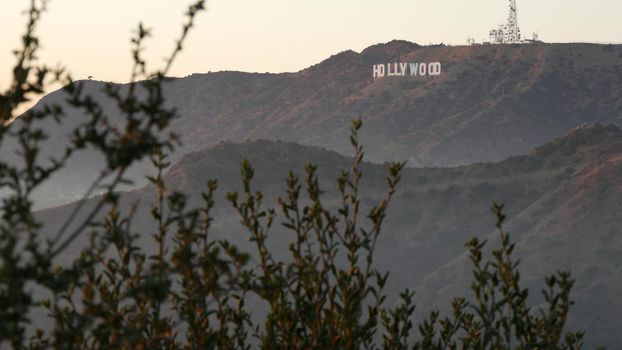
{"x":563,"y":200}
{"x":489,"y":103}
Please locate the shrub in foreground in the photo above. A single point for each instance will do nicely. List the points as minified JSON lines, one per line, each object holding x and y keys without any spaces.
{"x":194,"y":292}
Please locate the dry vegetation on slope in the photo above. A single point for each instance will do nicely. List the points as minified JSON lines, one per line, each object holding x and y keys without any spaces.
{"x":563,"y":203}
{"x":491,"y":102}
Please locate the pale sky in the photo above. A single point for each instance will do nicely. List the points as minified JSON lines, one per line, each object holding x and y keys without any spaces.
{"x":91,"y":37}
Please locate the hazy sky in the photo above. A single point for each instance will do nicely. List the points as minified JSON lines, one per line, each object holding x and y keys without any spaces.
{"x":91,"y":37}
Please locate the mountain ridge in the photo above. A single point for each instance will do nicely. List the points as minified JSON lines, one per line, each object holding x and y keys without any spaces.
{"x":490,"y":102}
{"x":562,"y":201}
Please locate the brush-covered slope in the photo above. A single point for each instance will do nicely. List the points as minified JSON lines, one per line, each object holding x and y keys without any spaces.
{"x":490,"y":102}
{"x":564,"y":202}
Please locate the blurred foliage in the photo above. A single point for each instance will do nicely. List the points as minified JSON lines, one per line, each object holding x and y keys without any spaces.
{"x":192,"y":292}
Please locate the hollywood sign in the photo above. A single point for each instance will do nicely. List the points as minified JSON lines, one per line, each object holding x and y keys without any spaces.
{"x":404,"y":69}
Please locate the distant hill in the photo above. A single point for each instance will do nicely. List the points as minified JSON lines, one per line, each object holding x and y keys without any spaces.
{"x":491,"y":102}
{"x":563,"y":200}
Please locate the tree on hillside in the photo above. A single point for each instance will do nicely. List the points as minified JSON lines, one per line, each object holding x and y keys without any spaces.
{"x":192,"y":291}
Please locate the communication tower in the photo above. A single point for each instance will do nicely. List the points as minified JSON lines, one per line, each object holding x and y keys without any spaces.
{"x":508,"y":33}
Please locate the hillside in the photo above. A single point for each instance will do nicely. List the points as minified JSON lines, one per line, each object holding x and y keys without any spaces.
{"x":562,"y":199}
{"x":491,"y":102}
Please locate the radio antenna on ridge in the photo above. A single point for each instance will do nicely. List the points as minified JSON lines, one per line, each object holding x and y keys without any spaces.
{"x":508,"y":33}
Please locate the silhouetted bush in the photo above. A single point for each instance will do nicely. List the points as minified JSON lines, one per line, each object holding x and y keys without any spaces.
{"x":193,"y":291}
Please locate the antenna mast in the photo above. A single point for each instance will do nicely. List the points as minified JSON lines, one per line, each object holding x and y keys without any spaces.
{"x":508,"y":33}
{"x":513,"y":31}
